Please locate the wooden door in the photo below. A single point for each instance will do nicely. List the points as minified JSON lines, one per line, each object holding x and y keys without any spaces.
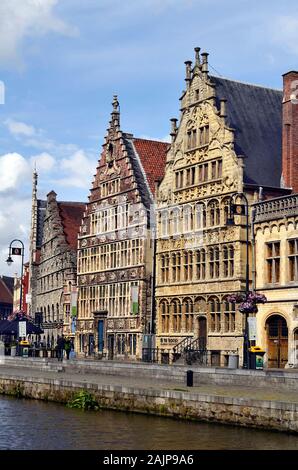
{"x":277,"y":341}
{"x":202,"y":332}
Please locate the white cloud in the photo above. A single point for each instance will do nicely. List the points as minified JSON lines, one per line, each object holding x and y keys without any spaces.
{"x":17,"y":128}
{"x":23,"y":18}
{"x":79,"y":169}
{"x":284,"y":30}
{"x":13,"y":170}
{"x":43,"y":162}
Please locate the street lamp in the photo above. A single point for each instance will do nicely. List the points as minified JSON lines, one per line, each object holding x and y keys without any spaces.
{"x":241,"y":208}
{"x":17,"y":251}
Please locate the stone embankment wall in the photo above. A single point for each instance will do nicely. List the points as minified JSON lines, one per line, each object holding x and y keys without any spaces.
{"x":280,"y":416}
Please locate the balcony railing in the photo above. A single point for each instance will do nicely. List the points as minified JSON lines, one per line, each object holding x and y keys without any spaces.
{"x":276,"y":208}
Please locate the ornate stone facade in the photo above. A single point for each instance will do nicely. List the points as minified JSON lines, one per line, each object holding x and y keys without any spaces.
{"x":115,"y":246}
{"x":53,"y":263}
{"x":276,"y":241}
{"x":200,"y":260}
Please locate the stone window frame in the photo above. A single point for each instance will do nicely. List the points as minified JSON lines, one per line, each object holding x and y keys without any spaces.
{"x":292,"y":259}
{"x":273,"y":261}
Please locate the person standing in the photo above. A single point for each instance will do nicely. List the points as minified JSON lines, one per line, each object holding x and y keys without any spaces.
{"x":67,"y":347}
{"x":60,"y":347}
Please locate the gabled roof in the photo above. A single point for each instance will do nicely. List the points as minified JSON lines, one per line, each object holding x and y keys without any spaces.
{"x":6,"y":295}
{"x":71,"y":214}
{"x":153,"y":155}
{"x":255,"y":112}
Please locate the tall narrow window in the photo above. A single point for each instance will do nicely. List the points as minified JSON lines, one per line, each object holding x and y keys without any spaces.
{"x":293,"y":259}
{"x":229,"y":317}
{"x":228,"y":261}
{"x":273,"y":262}
{"x":200,"y":264}
{"x":165,"y":317}
{"x":165,"y":268}
{"x":215,"y":320}
{"x":214,"y":213}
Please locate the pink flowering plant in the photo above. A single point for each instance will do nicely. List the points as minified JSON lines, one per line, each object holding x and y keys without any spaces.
{"x":247,"y":302}
{"x":19,"y":315}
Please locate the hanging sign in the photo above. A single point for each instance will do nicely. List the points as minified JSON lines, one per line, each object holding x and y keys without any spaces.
{"x":22,"y":329}
{"x":252,"y":328}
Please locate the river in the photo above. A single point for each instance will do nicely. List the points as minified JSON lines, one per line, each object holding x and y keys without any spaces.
{"x":30,"y":424}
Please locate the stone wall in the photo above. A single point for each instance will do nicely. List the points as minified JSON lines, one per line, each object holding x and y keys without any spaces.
{"x":183,"y":405}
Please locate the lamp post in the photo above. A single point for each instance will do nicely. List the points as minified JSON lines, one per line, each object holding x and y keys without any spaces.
{"x":16,"y":251}
{"x":242,"y":209}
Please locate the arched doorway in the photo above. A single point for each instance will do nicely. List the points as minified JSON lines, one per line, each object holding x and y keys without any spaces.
{"x":277,"y":341}
{"x":202,"y":332}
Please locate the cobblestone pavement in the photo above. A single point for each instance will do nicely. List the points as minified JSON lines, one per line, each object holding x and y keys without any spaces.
{"x":147,"y":383}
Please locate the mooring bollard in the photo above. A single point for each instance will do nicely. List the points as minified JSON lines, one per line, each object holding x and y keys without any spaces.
{"x":189,"y":378}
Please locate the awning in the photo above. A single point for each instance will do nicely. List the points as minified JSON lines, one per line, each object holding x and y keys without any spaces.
{"x":11,"y":328}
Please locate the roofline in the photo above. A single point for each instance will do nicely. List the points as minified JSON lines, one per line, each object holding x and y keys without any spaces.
{"x":152,"y":140}
{"x":274,"y":188}
{"x":246,"y":83}
{"x":273,"y":199}
{"x":290,"y":71}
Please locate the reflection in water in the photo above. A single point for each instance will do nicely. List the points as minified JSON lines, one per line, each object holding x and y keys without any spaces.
{"x":30,"y":424}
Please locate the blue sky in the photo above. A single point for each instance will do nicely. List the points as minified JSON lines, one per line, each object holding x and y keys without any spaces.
{"x":61,"y":61}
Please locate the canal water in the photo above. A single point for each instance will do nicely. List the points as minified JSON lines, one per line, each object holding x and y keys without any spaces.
{"x":30,"y":424}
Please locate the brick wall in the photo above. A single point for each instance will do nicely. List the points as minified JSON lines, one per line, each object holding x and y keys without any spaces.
{"x":290,"y":131}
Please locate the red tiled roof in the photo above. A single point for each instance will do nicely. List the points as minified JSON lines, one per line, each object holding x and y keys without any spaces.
{"x":153,"y":155}
{"x":71,"y":214}
{"x":6,"y":295}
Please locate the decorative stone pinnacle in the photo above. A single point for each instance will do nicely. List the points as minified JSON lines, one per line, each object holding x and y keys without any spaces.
{"x":115,"y":104}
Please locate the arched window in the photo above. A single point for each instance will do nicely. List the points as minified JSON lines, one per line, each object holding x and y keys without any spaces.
{"x":225,"y":205}
{"x":188,"y":314}
{"x":165,"y":316}
{"x":214,"y":262}
{"x":176,"y":221}
{"x":215,"y":320}
{"x":200,"y":216}
{"x":200,"y":264}
{"x":187,"y":219}
{"x":164,"y":223}
{"x":188,"y":265}
{"x":229,"y":316}
{"x":165,"y":261}
{"x":228,"y":261}
{"x":176,"y":315}
{"x":214,"y":213}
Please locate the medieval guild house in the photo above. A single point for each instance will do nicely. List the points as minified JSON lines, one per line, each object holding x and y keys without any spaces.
{"x":229,"y":140}
{"x":115,"y":257}
{"x":53,"y":263}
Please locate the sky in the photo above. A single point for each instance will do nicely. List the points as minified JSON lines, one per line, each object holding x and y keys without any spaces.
{"x":61,"y":62}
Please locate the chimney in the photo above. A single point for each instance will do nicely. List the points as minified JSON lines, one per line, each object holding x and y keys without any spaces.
{"x":289,"y":177}
{"x":205,"y":63}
